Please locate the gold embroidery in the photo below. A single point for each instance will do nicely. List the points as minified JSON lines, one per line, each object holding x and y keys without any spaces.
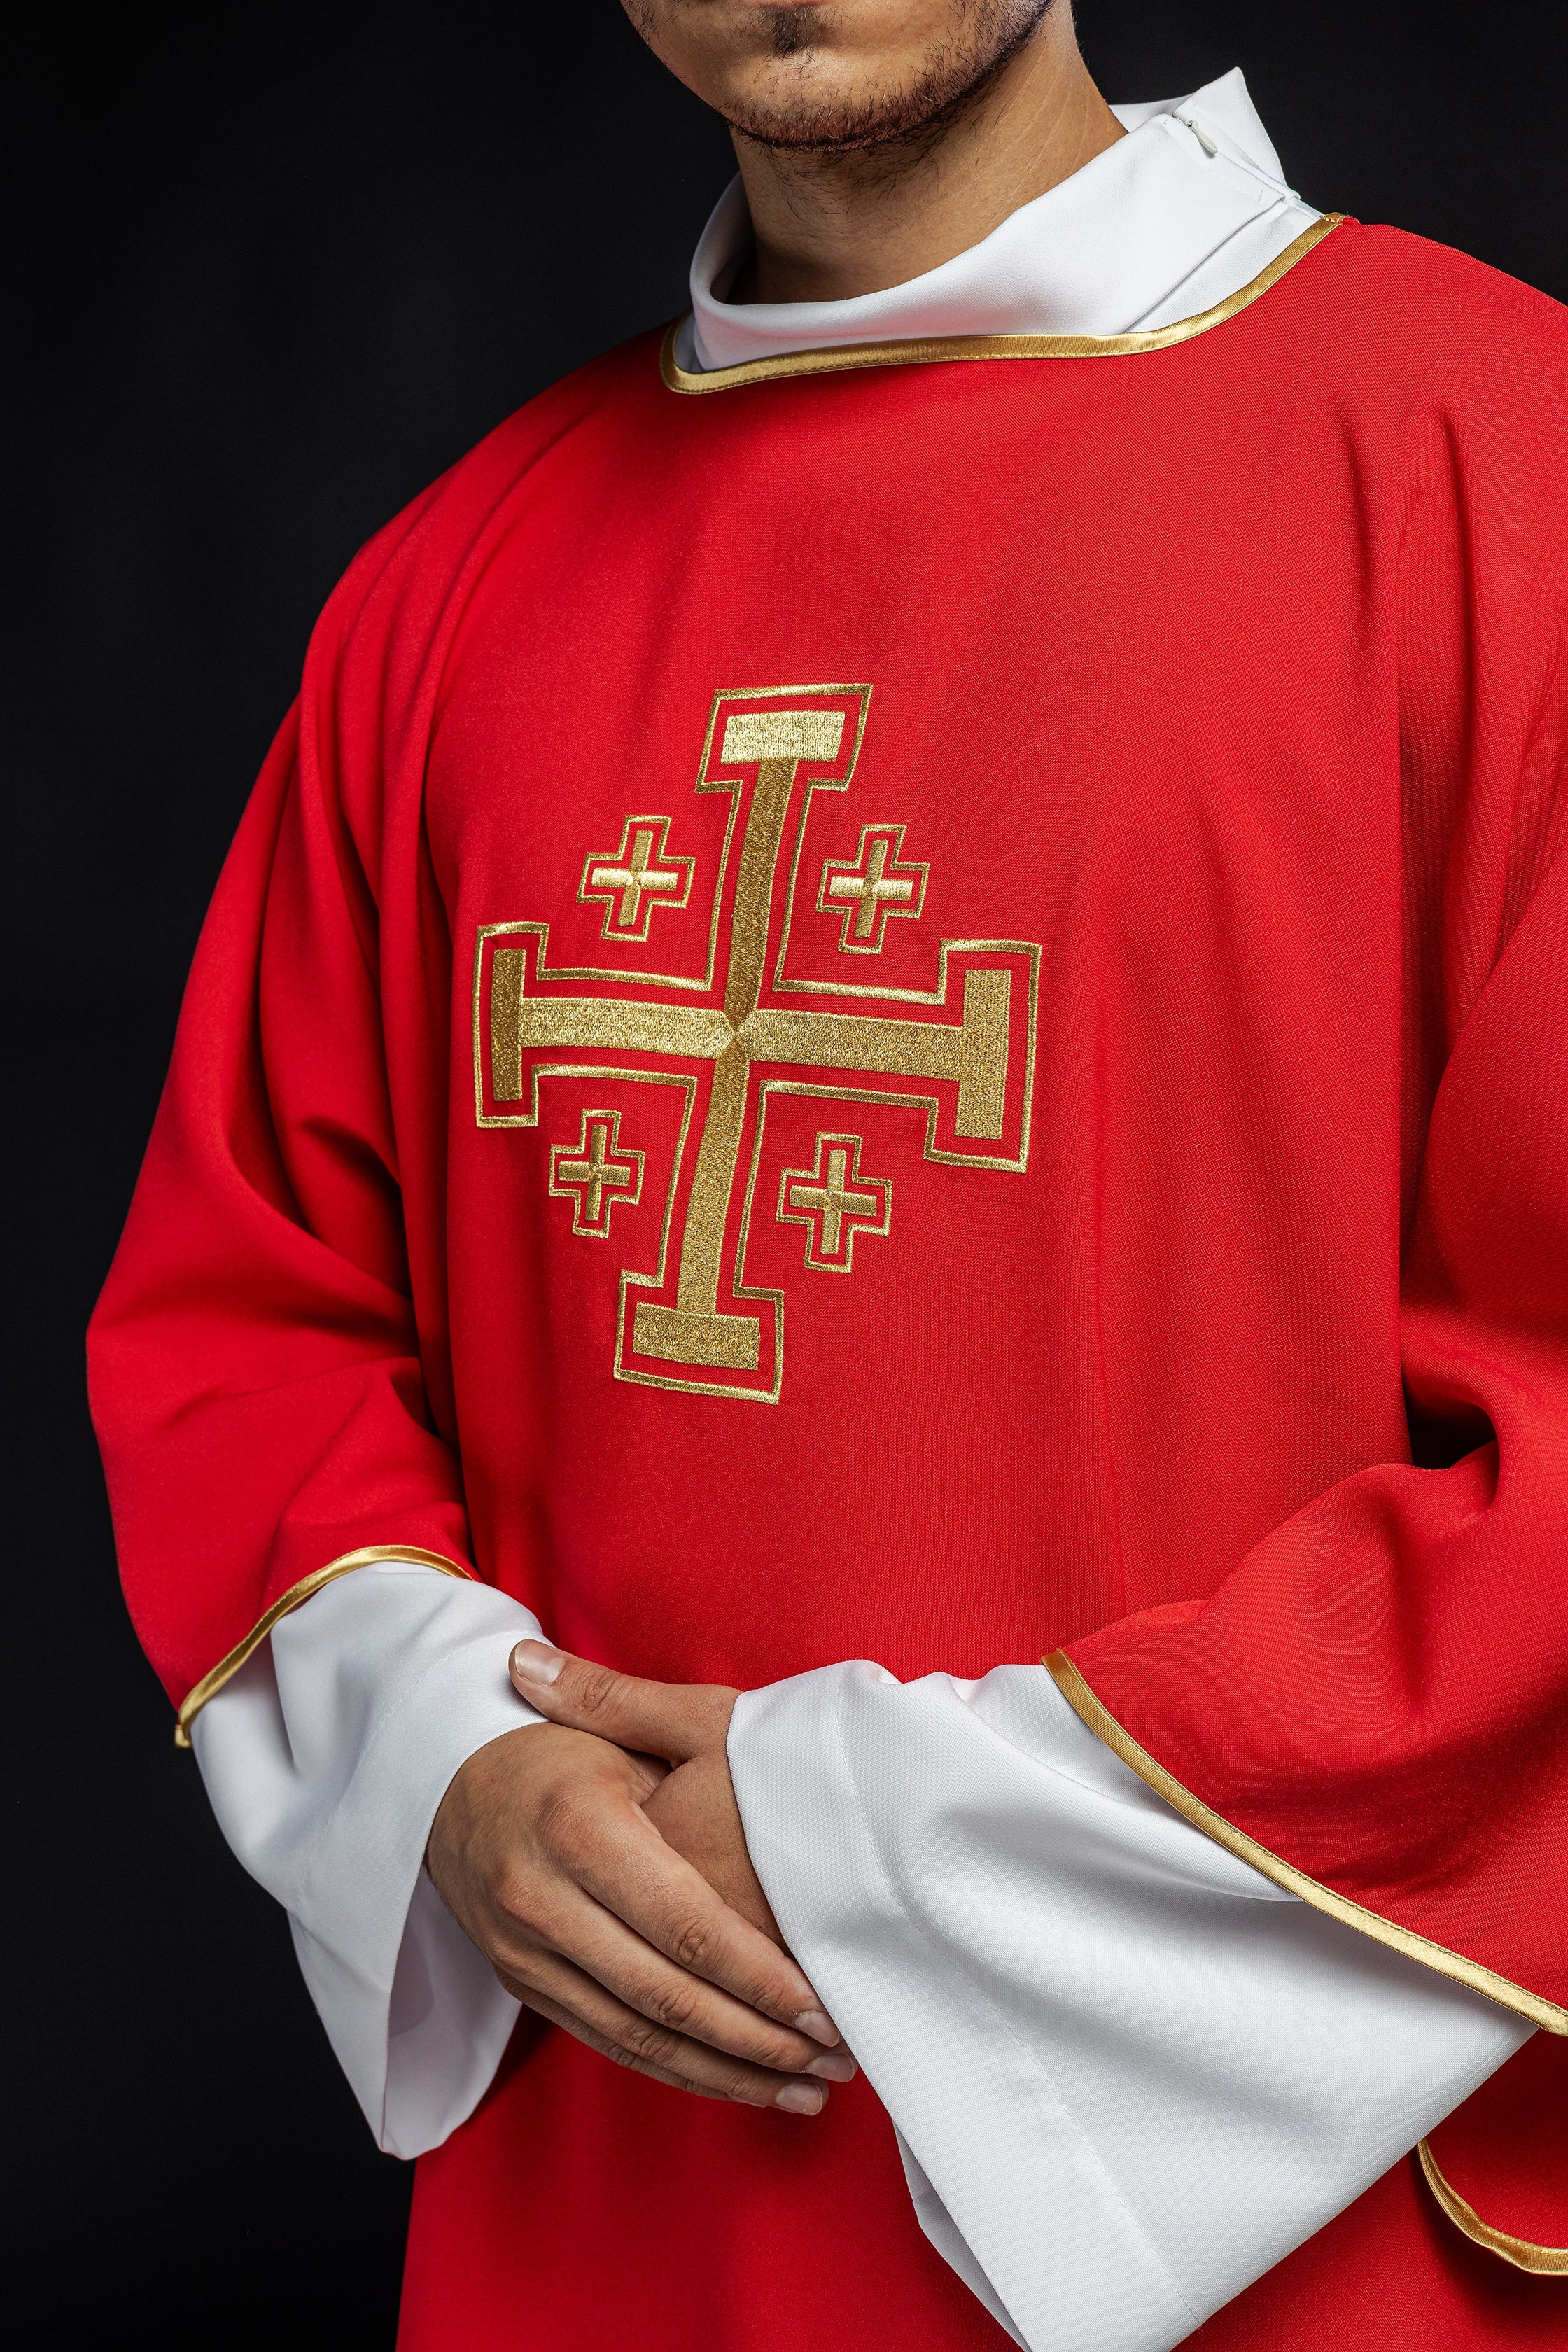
{"x":639,"y":870}
{"x":1545,"y":2262}
{"x":782,"y":739}
{"x":595,"y":1180}
{"x":677,"y":1334}
{"x":869,"y":888}
{"x":523,"y":1022}
{"x":782,"y":981}
{"x":775,"y":733}
{"x":834,"y":1203}
{"x":1103,"y":1724}
{"x":210,"y":1684}
{"x":932,"y":350}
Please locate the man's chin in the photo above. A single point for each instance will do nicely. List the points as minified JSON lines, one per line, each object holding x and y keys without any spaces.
{"x":836,"y":130}
{"x":815,"y":107}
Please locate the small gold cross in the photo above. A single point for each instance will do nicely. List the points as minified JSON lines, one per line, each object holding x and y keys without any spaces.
{"x":595,"y":1178}
{"x":869,"y":888}
{"x":830,"y":1207}
{"x":638,"y":871}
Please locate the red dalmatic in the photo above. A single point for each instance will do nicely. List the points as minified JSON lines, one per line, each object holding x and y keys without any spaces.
{"x":918,"y":1012}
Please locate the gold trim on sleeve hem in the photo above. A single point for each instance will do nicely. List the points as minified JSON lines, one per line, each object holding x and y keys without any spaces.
{"x":1546,"y":2261}
{"x":1103,"y":1724}
{"x":923,"y":350}
{"x":211,"y":1684}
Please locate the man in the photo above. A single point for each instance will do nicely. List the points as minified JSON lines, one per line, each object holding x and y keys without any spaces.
{"x":1038,"y":1137}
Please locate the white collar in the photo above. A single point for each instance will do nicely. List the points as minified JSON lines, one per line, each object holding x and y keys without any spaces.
{"x":1105,"y":252}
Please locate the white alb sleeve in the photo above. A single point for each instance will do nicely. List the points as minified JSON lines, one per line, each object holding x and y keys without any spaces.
{"x":1128,"y":2073}
{"x":325,"y":1758}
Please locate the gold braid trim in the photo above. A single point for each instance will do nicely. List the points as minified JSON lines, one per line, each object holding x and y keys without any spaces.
{"x":211,"y":1684}
{"x":1546,"y":2261}
{"x":1084,"y":1704}
{"x":923,"y":350}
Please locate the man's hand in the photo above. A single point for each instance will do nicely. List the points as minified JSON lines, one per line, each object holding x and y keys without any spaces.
{"x":693,"y":1806}
{"x":544,"y":1852}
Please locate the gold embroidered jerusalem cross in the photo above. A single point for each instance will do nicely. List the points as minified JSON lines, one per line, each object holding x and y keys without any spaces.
{"x":959,"y":1052}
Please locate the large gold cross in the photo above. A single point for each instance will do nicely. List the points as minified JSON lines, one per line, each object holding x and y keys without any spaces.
{"x":972,"y":1074}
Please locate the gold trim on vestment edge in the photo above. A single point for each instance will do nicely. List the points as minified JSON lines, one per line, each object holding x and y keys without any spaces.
{"x":211,"y":1684}
{"x":926,"y":350}
{"x":1084,"y":1704}
{"x":1545,"y":2262}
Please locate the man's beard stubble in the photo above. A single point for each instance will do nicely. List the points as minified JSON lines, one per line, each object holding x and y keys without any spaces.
{"x":955,"y":76}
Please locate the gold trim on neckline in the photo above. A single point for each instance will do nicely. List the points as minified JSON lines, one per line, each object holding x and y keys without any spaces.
{"x":923,"y":350}
{"x":211,"y":1684}
{"x":1103,"y":1724}
{"x":1545,"y":2262}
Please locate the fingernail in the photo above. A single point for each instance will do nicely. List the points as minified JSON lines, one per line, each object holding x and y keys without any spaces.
{"x":536,"y":1661}
{"x":820,"y":2028}
{"x":833,"y":2066}
{"x":801,"y":2099}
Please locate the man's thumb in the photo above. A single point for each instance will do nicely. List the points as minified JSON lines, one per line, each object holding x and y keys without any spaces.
{"x":659,"y":1718}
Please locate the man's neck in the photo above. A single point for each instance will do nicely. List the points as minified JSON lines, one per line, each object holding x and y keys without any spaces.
{"x":832,"y":226}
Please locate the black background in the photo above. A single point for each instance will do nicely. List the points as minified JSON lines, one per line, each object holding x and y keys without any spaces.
{"x":269,"y":269}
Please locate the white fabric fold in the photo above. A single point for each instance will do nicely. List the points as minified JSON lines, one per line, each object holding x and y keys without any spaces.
{"x":1161,"y":225}
{"x":325,"y":1758}
{"x":1130,"y":2073}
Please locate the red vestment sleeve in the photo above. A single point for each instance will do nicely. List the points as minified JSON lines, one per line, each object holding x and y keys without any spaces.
{"x":1372,"y":1704}
{"x":1373,"y":1707}
{"x":1378,"y":1694}
{"x":256,"y":1379}
{"x":1375,"y":1698}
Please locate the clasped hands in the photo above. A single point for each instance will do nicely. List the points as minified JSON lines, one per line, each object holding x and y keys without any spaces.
{"x":598,"y":1862}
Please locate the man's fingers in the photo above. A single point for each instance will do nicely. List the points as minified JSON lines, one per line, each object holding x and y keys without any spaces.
{"x":620,"y":1860}
{"x":672,"y":1719}
{"x":577,"y":1929}
{"x":581,"y":2006}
